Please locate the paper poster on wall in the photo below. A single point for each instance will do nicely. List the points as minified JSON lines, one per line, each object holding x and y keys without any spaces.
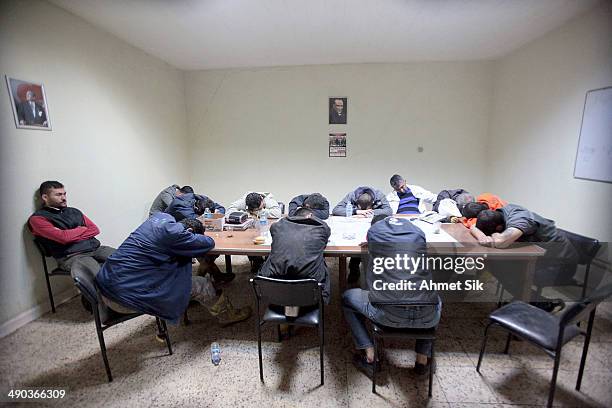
{"x":29,"y":104}
{"x":337,"y":145}
{"x":594,"y":155}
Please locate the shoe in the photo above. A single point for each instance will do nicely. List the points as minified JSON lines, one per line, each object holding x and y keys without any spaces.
{"x":226,"y":314}
{"x":550,"y":306}
{"x":256,"y":264}
{"x":360,"y":361}
{"x":422,"y":369}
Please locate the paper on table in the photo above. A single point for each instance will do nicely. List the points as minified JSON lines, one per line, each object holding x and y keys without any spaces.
{"x":430,"y":235}
{"x":349,"y":231}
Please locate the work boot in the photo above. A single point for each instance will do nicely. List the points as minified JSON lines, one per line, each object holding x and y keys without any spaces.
{"x":226,"y":314}
{"x":215,"y":273}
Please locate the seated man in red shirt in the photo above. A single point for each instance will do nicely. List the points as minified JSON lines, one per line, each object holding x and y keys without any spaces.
{"x":66,"y":233}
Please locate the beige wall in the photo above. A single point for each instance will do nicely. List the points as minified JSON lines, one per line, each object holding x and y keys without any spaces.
{"x":266,"y":129}
{"x":118,"y":136}
{"x":539,"y":98}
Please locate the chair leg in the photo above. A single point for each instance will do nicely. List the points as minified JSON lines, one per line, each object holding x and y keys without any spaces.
{"x":375,"y":338}
{"x":228,"y":264}
{"x":553,"y":381}
{"x":103,"y":346}
{"x":166,"y":336}
{"x":585,"y":350}
{"x":321,"y":346}
{"x":482,"y":349}
{"x":508,"y":339}
{"x":431,"y":369}
{"x":279,"y":335}
{"x":49,"y":286}
{"x":259,"y":349}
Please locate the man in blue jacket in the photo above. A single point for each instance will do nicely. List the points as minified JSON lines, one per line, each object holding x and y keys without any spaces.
{"x":151,"y":272}
{"x":191,"y":206}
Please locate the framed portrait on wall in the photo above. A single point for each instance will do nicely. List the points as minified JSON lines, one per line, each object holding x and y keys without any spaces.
{"x":338,"y":110}
{"x":29,"y":104}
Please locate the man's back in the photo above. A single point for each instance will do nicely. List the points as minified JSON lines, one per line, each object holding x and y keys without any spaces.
{"x":151,"y":270}
{"x":297,"y":250}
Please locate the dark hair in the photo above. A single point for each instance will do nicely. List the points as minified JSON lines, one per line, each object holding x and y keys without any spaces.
{"x":471,"y":210}
{"x":316,"y":201}
{"x":365,"y":201}
{"x":489,"y":221}
{"x":303,"y":212}
{"x":195,"y":225}
{"x":395,"y":180}
{"x":377,"y":218}
{"x":202,"y":203}
{"x":46,"y":186}
{"x":186,"y":190}
{"x":253,"y":201}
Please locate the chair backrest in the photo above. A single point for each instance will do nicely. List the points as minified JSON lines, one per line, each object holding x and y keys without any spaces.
{"x":300,"y":292}
{"x":42,"y":249}
{"x":586,"y":247}
{"x":581,"y":309}
{"x":85,"y":282}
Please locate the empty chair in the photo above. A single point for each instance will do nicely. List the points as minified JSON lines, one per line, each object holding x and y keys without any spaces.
{"x":105,"y":317}
{"x":278,"y":292}
{"x":547,"y":331}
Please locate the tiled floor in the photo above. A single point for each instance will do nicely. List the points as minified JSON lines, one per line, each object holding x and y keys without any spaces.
{"x":61,"y":351}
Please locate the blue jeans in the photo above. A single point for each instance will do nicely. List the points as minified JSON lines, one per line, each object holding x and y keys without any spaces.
{"x":357,"y":308}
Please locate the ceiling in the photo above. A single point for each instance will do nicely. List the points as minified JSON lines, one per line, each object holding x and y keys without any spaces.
{"x":209,"y":34}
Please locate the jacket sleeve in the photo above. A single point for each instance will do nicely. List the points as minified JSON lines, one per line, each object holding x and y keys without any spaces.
{"x":238,"y":205}
{"x":296,"y":203}
{"x":219,"y":208}
{"x":190,"y":245}
{"x":42,"y":227}
{"x":340,"y":208}
{"x":393,"y":200}
{"x":92,"y":229}
{"x":272,"y":207}
{"x":166,"y":198}
{"x":424,"y":197}
{"x":384,"y":208}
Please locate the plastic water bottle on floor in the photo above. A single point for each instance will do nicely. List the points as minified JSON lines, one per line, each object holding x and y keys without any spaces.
{"x":215,"y":353}
{"x":349,"y":210}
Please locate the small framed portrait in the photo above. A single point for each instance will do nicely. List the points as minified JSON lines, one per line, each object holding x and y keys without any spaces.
{"x":338,"y":109}
{"x":29,"y":103}
{"x":337,"y":145}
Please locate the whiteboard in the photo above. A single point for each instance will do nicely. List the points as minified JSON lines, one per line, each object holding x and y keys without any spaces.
{"x":594,"y":156}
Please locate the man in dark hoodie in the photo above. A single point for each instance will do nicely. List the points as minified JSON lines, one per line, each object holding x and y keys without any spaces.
{"x":315,"y":202}
{"x":366,"y":202}
{"x":298,"y":242}
{"x":191,"y":206}
{"x":387,"y":238}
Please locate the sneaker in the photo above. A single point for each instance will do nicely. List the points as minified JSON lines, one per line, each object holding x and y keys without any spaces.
{"x":226,"y":314}
{"x":361,"y":362}
{"x":422,"y":369}
{"x":550,"y":306}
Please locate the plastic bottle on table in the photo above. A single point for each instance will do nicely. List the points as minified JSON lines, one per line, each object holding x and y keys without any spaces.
{"x":215,"y":353}
{"x":349,"y":210}
{"x":263,"y":223}
{"x":207,"y":213}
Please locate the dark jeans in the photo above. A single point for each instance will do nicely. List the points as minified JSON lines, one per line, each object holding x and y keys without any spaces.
{"x":89,"y":262}
{"x":357,"y":308}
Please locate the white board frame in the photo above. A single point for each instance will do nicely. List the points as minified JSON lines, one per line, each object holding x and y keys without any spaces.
{"x":579,"y":170}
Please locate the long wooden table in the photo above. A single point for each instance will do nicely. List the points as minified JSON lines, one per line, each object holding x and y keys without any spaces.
{"x":230,"y":243}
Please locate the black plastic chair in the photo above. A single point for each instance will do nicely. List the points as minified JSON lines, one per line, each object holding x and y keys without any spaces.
{"x":44,"y":254}
{"x":279,"y":292}
{"x":105,"y":317}
{"x":547,"y":331}
{"x":383,"y":332}
{"x":586,"y":248}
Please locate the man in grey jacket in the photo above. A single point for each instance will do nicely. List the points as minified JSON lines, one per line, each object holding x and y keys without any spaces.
{"x":255,"y":202}
{"x":165,"y":197}
{"x":367,"y":202}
